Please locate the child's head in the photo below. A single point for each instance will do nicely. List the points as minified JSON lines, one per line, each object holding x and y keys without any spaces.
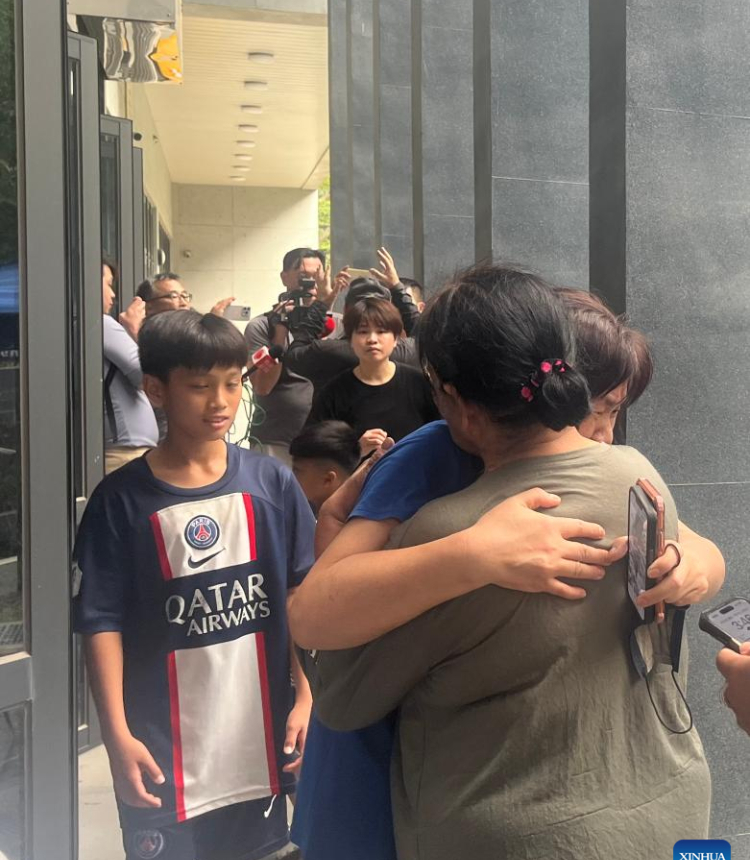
{"x":372,"y":326}
{"x":323,"y":457}
{"x":192,"y":365}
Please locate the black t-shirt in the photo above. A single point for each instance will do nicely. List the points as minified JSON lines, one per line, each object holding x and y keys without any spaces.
{"x":399,"y":407}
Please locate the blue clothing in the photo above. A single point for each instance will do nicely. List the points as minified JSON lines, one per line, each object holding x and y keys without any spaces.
{"x":343,"y":807}
{"x":196,"y":582}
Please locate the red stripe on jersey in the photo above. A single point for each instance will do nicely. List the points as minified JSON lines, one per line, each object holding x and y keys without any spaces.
{"x":174,"y":713}
{"x":265,"y":694}
{"x":161,"y":548}
{"x":248,"y":500}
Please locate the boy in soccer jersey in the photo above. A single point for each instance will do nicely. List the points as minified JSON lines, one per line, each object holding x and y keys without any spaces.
{"x":186,"y":557}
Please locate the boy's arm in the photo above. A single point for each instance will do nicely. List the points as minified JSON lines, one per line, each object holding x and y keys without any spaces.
{"x":299,"y":717}
{"x":128,"y":758}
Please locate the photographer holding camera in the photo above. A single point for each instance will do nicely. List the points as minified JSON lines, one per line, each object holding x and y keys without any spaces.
{"x":321,"y":360}
{"x":284,"y":397}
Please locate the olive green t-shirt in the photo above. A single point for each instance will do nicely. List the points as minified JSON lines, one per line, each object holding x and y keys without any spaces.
{"x":524,"y":733}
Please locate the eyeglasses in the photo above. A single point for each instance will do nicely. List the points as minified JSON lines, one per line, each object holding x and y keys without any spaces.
{"x":175,"y":297}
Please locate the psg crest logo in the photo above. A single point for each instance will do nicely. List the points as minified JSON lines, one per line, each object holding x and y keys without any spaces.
{"x":202,"y":532}
{"x":148,"y":844}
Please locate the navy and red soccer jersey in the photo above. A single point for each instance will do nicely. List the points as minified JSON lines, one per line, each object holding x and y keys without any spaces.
{"x":196,"y":581}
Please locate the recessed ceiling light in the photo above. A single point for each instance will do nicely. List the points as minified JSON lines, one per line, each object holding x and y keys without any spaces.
{"x":247,"y":144}
{"x":242,"y":157}
{"x":238,"y":178}
{"x":251,"y":108}
{"x":264,"y":57}
{"x":240,"y":167}
{"x":248,"y":128}
{"x":256,"y":85}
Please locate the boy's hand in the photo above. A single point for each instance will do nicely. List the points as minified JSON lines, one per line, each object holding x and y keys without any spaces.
{"x":131,"y":319}
{"x":129,"y":761}
{"x":296,"y":734}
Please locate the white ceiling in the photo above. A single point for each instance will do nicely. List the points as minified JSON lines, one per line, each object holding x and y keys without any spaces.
{"x":197,"y":121}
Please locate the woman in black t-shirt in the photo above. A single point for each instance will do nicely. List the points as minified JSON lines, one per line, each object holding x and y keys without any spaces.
{"x":378,"y":398}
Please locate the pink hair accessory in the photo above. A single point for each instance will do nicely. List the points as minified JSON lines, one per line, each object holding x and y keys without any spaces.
{"x":547,"y":366}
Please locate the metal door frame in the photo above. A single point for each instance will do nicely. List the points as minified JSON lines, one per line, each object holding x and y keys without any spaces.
{"x":41,"y":677}
{"x":122,"y":129}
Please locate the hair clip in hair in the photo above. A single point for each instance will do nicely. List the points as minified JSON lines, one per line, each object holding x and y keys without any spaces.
{"x":549,"y":365}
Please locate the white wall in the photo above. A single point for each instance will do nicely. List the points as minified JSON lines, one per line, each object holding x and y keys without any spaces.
{"x":130,"y":101}
{"x":230,"y":241}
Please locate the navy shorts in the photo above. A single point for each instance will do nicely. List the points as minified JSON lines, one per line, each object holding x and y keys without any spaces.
{"x":237,"y":832}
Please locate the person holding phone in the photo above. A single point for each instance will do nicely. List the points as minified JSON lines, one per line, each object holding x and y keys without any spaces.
{"x":736,"y":670}
{"x":550,"y":678}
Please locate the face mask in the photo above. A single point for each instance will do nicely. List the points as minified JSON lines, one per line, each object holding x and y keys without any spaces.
{"x":653,"y":645}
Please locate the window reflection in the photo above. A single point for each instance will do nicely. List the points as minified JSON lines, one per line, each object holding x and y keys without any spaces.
{"x":12,"y":748}
{"x":11,"y":607}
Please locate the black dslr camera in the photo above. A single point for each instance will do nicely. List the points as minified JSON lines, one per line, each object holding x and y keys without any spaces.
{"x":304,"y":291}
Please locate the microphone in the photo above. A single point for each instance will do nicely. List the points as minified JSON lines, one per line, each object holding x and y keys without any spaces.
{"x":263,"y":357}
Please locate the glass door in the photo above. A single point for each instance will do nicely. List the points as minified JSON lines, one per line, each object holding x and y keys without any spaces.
{"x":117,"y":204}
{"x":37,"y":761}
{"x":85,"y":313}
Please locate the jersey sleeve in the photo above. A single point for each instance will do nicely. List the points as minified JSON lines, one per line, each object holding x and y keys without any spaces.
{"x":300,"y":533}
{"x":103,"y":565}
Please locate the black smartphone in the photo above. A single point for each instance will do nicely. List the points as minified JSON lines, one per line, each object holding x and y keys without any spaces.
{"x":645,"y":543}
{"x":729,"y":623}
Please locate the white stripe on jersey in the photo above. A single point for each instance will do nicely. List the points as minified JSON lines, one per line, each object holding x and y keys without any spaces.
{"x":217,"y":694}
{"x":234,"y":542}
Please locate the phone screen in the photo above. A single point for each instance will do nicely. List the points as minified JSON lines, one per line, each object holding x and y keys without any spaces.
{"x":733,"y":618}
{"x":639,"y":555}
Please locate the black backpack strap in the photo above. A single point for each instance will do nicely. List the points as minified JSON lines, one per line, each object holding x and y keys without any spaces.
{"x":108,"y":405}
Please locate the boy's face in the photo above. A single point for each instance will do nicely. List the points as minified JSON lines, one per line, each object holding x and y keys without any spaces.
{"x":199,"y":405}
{"x":319,"y":479}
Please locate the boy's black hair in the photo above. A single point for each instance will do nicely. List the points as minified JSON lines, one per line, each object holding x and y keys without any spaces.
{"x":489,"y":332}
{"x":191,"y":340}
{"x":328,"y":440}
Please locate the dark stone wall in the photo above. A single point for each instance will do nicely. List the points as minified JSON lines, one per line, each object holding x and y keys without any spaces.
{"x":602,"y":143}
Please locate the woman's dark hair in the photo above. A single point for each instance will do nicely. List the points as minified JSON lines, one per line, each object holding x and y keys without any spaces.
{"x":610,"y":353}
{"x":191,"y":340}
{"x":488,"y":333}
{"x":329,"y":440}
{"x":372,"y":311}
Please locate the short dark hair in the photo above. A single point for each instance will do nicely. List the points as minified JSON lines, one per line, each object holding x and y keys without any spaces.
{"x":378,"y":312}
{"x":609,"y":351}
{"x":489,"y":331}
{"x":111,"y":265}
{"x":166,"y":276}
{"x":293,"y":259}
{"x":328,"y":440}
{"x":417,"y":290}
{"x":146,"y":291}
{"x":191,"y":340}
